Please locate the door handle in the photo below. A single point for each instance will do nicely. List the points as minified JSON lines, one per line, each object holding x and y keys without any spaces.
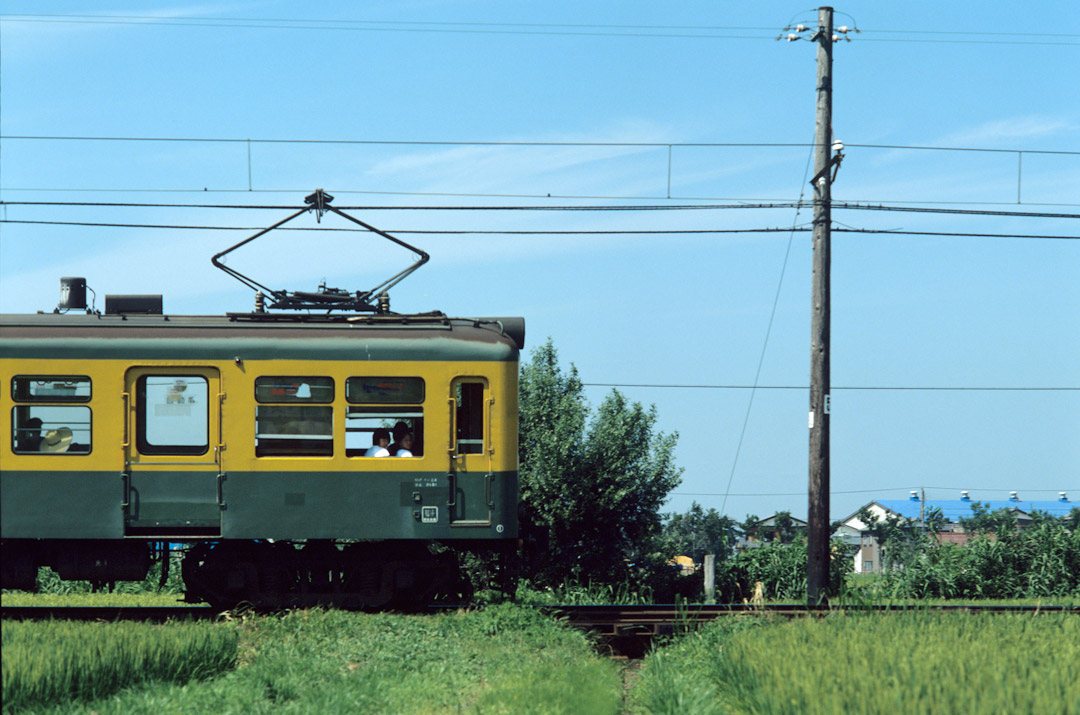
{"x":221,"y":492}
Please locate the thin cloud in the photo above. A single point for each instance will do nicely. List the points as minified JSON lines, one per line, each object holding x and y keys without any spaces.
{"x":1004,"y":131}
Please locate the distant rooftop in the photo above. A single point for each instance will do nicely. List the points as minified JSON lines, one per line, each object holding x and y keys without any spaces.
{"x":955,"y":509}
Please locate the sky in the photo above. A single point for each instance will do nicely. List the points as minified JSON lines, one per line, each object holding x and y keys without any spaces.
{"x":955,"y":358}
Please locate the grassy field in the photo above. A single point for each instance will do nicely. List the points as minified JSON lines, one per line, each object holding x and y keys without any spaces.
{"x":510,"y":659}
{"x":913,"y":662}
{"x":58,"y":661}
{"x":22,"y":598}
{"x":504,"y":659}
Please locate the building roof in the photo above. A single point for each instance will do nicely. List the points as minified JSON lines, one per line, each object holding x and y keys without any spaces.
{"x":955,"y":509}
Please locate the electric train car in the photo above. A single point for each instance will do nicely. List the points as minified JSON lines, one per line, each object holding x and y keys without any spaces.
{"x":245,"y":439}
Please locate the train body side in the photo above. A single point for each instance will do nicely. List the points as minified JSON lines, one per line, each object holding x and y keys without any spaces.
{"x":271,"y":421}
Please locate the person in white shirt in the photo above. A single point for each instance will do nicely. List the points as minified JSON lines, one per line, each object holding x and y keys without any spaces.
{"x":379,"y":442}
{"x":405,"y":445}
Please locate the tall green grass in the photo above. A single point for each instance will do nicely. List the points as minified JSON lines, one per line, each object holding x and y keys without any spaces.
{"x":913,"y":662}
{"x":60,"y":661}
{"x":503,"y":659}
{"x":145,"y":599}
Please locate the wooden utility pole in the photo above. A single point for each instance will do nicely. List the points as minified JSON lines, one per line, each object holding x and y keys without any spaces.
{"x":817,"y":566}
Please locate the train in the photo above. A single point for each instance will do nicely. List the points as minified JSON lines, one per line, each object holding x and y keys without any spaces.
{"x":256,"y":444}
{"x":244,"y":438}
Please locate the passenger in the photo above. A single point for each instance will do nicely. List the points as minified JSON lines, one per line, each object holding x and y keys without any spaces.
{"x":400,"y":430}
{"x":405,"y":445}
{"x":28,"y":437}
{"x":380,"y":440}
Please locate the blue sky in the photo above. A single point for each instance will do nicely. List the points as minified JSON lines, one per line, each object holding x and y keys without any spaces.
{"x":605,"y":104}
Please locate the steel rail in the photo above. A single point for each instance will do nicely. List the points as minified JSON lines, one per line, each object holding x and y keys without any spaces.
{"x":605,"y":619}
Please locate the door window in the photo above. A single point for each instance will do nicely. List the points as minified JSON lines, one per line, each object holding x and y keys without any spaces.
{"x":173,"y":414}
{"x":469,"y":417}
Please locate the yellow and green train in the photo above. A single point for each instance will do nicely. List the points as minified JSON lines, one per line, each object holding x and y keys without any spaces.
{"x":245,"y":439}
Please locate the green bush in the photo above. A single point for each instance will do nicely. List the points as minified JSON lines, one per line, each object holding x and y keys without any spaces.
{"x":1041,"y":561}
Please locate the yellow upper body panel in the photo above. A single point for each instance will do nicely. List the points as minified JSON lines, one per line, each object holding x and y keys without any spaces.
{"x":230,"y":394}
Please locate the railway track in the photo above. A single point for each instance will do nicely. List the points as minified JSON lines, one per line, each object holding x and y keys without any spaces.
{"x":630,"y":630}
{"x":623,"y":630}
{"x":605,"y":619}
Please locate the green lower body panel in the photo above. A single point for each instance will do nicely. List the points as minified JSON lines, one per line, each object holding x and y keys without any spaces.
{"x":259,"y":505}
{"x":61,"y":505}
{"x":367,"y":505}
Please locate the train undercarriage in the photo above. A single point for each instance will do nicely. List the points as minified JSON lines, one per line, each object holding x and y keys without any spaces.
{"x":259,"y":574}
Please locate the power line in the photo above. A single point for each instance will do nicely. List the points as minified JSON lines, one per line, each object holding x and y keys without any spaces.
{"x":487,"y":195}
{"x":555,"y":144}
{"x":534,"y":232}
{"x":861,"y":491}
{"x":925,"y":388}
{"x":452,"y":232}
{"x":768,"y":329}
{"x":638,"y":31}
{"x":592,"y":207}
{"x":938,"y":210}
{"x":465,"y":29}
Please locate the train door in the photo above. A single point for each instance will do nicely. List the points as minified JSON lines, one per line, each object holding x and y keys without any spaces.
{"x":172,"y":478}
{"x":471,"y":450}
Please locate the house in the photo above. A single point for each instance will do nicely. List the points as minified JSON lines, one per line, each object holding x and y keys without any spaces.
{"x":781,"y":526}
{"x":915,"y":508}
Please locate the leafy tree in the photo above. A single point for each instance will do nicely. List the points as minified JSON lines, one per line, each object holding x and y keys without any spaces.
{"x":984,"y":521}
{"x":1072,"y":519}
{"x":750,"y":527}
{"x":591,"y":485}
{"x":784,"y":527}
{"x":698,"y":532}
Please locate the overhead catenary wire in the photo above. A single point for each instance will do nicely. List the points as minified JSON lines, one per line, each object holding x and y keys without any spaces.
{"x":899,"y":388}
{"x":594,"y":207}
{"x":865,"y":491}
{"x":537,"y":29}
{"x":538,"y":232}
{"x":513,"y":143}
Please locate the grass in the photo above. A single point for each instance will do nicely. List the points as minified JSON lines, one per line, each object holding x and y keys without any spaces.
{"x":22,"y":598}
{"x":504,"y":659}
{"x":911,"y":662}
{"x":60,"y":661}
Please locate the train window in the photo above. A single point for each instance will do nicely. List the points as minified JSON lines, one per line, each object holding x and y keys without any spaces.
{"x":51,"y":429}
{"x":385,"y":390}
{"x":50,"y":388}
{"x":173,"y":414}
{"x":469,"y":418}
{"x":294,"y":431}
{"x":362,"y":423}
{"x":309,"y":390}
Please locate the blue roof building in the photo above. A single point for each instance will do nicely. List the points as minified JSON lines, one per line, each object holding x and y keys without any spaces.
{"x":868,"y":556}
{"x":955,"y":509}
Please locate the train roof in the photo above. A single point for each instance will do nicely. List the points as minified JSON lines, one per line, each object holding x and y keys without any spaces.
{"x":430,"y":336}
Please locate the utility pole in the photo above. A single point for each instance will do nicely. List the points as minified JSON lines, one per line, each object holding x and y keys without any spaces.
{"x":817,"y":565}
